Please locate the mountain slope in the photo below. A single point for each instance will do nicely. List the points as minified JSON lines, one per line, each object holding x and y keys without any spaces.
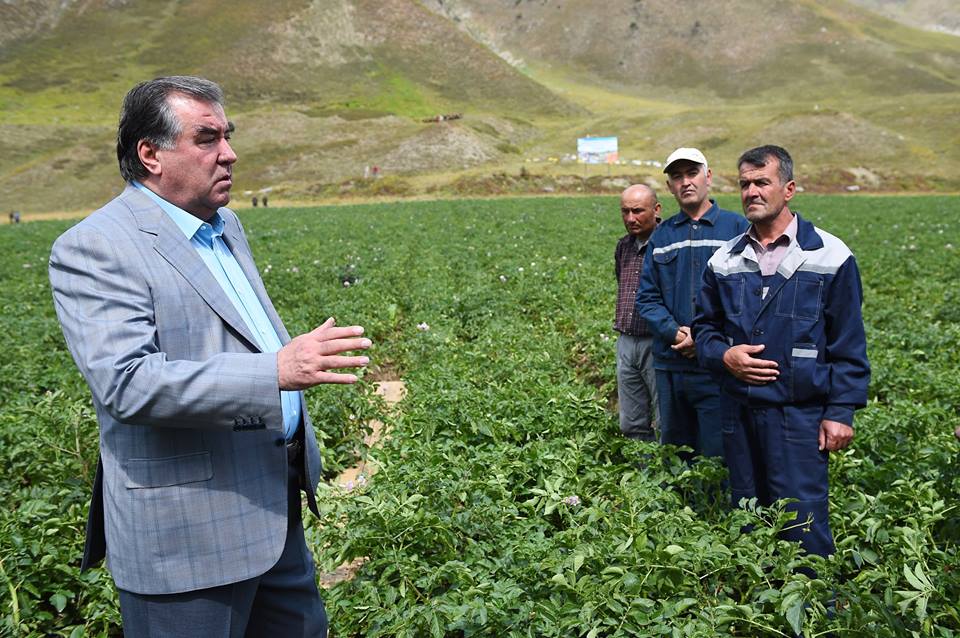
{"x":932,"y":15}
{"x":319,"y":89}
{"x":730,"y":50}
{"x":391,"y":54}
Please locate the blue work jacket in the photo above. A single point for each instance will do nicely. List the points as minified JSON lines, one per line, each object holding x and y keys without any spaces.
{"x":677,"y":254}
{"x":809,"y":321}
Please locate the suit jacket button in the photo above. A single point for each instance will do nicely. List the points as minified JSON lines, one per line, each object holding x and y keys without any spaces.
{"x":280,"y":442}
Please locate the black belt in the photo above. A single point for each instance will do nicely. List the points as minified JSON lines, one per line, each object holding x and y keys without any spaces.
{"x":294,"y":450}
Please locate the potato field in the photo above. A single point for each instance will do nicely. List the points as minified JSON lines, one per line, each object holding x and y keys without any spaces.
{"x":506,"y":502}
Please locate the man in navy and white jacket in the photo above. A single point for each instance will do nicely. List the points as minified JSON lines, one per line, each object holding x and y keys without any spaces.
{"x":677,"y":253}
{"x":779,"y":324}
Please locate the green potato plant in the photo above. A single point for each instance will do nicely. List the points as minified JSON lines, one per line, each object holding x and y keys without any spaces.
{"x":506,"y":502}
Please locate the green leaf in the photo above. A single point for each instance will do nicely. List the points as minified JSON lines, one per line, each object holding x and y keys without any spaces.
{"x":59,"y":602}
{"x":578,"y":562}
{"x":795,"y":616}
{"x":922,"y":577}
{"x":684,"y":605}
{"x":914,"y":578}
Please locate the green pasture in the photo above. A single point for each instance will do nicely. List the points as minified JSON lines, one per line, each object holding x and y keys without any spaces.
{"x":471,"y":528}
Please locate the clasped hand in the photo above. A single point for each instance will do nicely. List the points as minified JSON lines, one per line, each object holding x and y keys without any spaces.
{"x":683,"y":343}
{"x":305,"y":361}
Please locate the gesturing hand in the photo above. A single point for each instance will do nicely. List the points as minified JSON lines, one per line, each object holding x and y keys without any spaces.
{"x":741,"y":363}
{"x":304,"y":362}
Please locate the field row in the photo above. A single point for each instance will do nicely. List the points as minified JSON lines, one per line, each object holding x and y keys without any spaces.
{"x":507,"y":504}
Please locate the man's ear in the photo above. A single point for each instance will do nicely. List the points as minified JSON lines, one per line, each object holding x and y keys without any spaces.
{"x":789,"y":190}
{"x":147,"y":152}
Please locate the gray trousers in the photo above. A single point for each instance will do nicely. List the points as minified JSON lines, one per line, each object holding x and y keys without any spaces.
{"x":637,"y":387}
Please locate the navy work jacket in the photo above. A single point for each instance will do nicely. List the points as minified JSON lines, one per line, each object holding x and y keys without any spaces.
{"x":677,"y":255}
{"x":809,"y":321}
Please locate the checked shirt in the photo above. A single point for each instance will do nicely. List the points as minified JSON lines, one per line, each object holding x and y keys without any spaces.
{"x":628,"y":263}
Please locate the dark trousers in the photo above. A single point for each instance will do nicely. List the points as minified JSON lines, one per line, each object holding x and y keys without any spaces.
{"x":284,"y":601}
{"x":690,"y":411}
{"x":773,"y":453}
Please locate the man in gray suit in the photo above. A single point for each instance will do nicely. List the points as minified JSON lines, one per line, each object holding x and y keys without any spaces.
{"x":205,"y":444}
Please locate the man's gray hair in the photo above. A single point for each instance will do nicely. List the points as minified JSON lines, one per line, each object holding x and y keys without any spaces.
{"x":146,"y":115}
{"x":760,"y":155}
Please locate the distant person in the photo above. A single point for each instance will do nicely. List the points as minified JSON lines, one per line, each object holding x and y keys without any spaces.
{"x":636,"y":379}
{"x":690,"y":406}
{"x":16,"y":217}
{"x":779,"y":322}
{"x":11,"y":217}
{"x":205,"y":444}
{"x":264,"y":200}
{"x":254,"y":200}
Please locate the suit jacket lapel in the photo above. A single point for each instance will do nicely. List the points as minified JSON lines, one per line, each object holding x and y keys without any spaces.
{"x":238,"y":247}
{"x":173,"y":246}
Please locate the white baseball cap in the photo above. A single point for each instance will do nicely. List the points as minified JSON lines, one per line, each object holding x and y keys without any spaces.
{"x":683,"y":153}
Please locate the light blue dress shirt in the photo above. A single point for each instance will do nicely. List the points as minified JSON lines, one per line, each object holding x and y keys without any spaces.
{"x":207,"y":238}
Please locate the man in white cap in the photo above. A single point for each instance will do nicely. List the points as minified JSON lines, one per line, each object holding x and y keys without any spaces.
{"x":678,"y":251}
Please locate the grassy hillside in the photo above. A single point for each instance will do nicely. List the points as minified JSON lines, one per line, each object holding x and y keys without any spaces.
{"x":390,"y":55}
{"x":851,"y":93}
{"x":320,"y":89}
{"x":729,"y":50}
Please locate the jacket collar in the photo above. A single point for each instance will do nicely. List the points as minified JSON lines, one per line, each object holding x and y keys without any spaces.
{"x":709,"y":217}
{"x":172,"y":244}
{"x":807,"y":237}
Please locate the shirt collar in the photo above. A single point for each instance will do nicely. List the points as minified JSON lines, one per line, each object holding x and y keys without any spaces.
{"x":187,"y":223}
{"x":790,"y":232}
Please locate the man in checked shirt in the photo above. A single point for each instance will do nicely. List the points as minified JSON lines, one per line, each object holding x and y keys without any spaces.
{"x":636,"y":379}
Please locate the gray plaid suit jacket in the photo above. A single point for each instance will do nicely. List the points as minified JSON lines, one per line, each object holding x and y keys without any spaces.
{"x":191,"y":489}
